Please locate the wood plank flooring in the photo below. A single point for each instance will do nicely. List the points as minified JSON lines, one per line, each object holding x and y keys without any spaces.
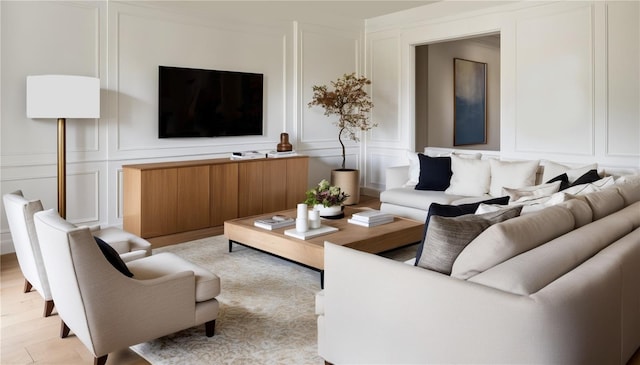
{"x":28,"y":338}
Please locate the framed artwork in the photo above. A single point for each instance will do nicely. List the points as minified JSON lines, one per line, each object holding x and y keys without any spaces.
{"x":470,"y":102}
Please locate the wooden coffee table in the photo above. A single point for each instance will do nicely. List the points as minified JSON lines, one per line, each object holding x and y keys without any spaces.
{"x":310,"y":252}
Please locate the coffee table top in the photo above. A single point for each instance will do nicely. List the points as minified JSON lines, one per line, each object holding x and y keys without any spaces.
{"x":400,"y":232}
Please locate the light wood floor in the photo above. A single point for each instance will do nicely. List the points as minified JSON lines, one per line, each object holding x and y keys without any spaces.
{"x":28,"y":338}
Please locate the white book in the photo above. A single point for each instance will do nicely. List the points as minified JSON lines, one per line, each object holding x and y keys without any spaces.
{"x":369,"y":224}
{"x":310,"y":233}
{"x":371,"y":216}
{"x":274,"y":223}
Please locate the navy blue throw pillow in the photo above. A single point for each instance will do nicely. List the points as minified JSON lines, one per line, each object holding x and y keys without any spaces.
{"x":443,"y":210}
{"x":113,"y":257}
{"x":435,"y":173}
{"x":589,"y":177}
{"x":564,"y":181}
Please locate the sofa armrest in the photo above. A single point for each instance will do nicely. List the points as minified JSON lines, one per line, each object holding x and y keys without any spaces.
{"x":396,"y":176}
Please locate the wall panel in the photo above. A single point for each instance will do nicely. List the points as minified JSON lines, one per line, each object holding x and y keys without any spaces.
{"x":554,"y":88}
{"x":623,"y":70}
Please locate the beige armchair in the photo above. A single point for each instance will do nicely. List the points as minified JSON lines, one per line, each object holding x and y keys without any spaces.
{"x":20,"y":212}
{"x":107,"y":310}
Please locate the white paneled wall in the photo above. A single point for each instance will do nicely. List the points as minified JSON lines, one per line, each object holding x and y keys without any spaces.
{"x":569,"y":76}
{"x":569,"y":86}
{"x":123,"y":43}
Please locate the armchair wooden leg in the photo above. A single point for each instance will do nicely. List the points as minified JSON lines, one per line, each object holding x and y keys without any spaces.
{"x":27,"y":286}
{"x":100,"y":360}
{"x":48,"y":307}
{"x":210,"y":328}
{"x":64,"y":330}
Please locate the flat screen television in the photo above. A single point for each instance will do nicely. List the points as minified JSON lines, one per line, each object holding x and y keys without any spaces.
{"x":208,"y":103}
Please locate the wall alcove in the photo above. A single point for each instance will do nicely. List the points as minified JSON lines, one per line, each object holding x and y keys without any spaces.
{"x":434,"y":90}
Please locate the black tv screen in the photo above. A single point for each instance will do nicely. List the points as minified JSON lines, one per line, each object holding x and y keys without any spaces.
{"x":208,"y":103}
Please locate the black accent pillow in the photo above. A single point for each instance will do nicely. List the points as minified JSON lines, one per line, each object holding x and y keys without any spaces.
{"x":113,"y":257}
{"x":589,"y":177}
{"x":435,"y":173}
{"x":443,"y":210}
{"x":564,"y":181}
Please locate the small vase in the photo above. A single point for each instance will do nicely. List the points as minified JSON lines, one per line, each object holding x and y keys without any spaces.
{"x":328,"y":211}
{"x":284,"y":144}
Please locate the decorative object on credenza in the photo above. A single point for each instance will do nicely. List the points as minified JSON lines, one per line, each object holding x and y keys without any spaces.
{"x":351,"y":103}
{"x":326,"y":198}
{"x":61,"y":97}
{"x":284,"y":144}
{"x":470,"y":102}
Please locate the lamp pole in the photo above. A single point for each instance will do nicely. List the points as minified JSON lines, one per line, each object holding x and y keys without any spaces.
{"x":62,"y":169}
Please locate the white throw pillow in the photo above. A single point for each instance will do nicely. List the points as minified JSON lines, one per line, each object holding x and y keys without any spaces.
{"x":511,"y":174}
{"x":590,"y":187}
{"x":414,"y":168}
{"x":531,"y":192}
{"x":470,"y":177}
{"x":553,"y":169}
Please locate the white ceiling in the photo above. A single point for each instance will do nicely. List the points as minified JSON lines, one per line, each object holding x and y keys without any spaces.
{"x":306,"y":10}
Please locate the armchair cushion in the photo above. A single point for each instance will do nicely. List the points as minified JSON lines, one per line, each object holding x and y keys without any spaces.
{"x":112,"y":256}
{"x":207,"y":283}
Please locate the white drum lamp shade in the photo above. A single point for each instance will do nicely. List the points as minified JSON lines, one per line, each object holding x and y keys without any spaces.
{"x":61,"y":97}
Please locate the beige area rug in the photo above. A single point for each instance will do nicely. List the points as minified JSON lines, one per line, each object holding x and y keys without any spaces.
{"x":267,"y":310}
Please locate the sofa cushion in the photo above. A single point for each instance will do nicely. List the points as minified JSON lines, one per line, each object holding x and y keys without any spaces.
{"x":503,"y":241}
{"x":408,"y":197}
{"x":531,"y":192}
{"x":590,"y":187}
{"x":435,"y":173}
{"x":580,"y":209}
{"x":511,"y":174}
{"x":629,"y":188}
{"x":469,"y":177}
{"x":532,"y":270}
{"x":165,"y":263}
{"x":444,"y":210}
{"x":604,"y":202}
{"x":553,"y":169}
{"x":446,"y":237}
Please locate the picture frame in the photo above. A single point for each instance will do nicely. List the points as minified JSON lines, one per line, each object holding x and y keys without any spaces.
{"x":469,"y":102}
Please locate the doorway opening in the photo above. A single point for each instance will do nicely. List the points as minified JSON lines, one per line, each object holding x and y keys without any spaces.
{"x":434,"y":90}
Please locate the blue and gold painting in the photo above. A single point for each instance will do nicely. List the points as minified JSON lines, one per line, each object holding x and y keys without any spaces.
{"x":470,"y":102}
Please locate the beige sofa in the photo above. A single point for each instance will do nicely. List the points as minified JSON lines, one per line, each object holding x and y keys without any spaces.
{"x":560,"y":285}
{"x":402,"y":199}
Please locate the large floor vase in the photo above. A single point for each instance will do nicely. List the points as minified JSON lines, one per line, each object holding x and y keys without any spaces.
{"x":349,"y":181}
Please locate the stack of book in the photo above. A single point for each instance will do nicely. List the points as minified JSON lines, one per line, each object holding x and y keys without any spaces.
{"x":370,"y":218}
{"x":275,"y":222}
{"x":244,"y":155}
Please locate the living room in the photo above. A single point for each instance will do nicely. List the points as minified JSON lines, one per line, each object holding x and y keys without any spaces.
{"x":568,"y":85}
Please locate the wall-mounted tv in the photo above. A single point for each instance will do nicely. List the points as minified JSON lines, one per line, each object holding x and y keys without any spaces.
{"x":208,"y":103}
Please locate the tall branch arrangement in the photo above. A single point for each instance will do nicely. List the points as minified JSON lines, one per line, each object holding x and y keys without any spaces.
{"x":350,"y":102}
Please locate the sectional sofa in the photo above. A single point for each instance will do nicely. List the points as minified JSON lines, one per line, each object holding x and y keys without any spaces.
{"x":556,"y":284}
{"x":403,"y":199}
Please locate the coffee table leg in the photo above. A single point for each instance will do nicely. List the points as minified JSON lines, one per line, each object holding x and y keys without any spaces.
{"x":230,"y":245}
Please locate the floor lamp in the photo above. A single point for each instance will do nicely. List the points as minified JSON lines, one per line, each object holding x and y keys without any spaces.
{"x":61,"y":97}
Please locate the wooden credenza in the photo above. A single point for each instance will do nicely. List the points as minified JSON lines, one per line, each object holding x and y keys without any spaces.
{"x":170,"y":202}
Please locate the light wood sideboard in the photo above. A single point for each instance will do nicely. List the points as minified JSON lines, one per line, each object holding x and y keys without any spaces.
{"x":171,"y":202}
